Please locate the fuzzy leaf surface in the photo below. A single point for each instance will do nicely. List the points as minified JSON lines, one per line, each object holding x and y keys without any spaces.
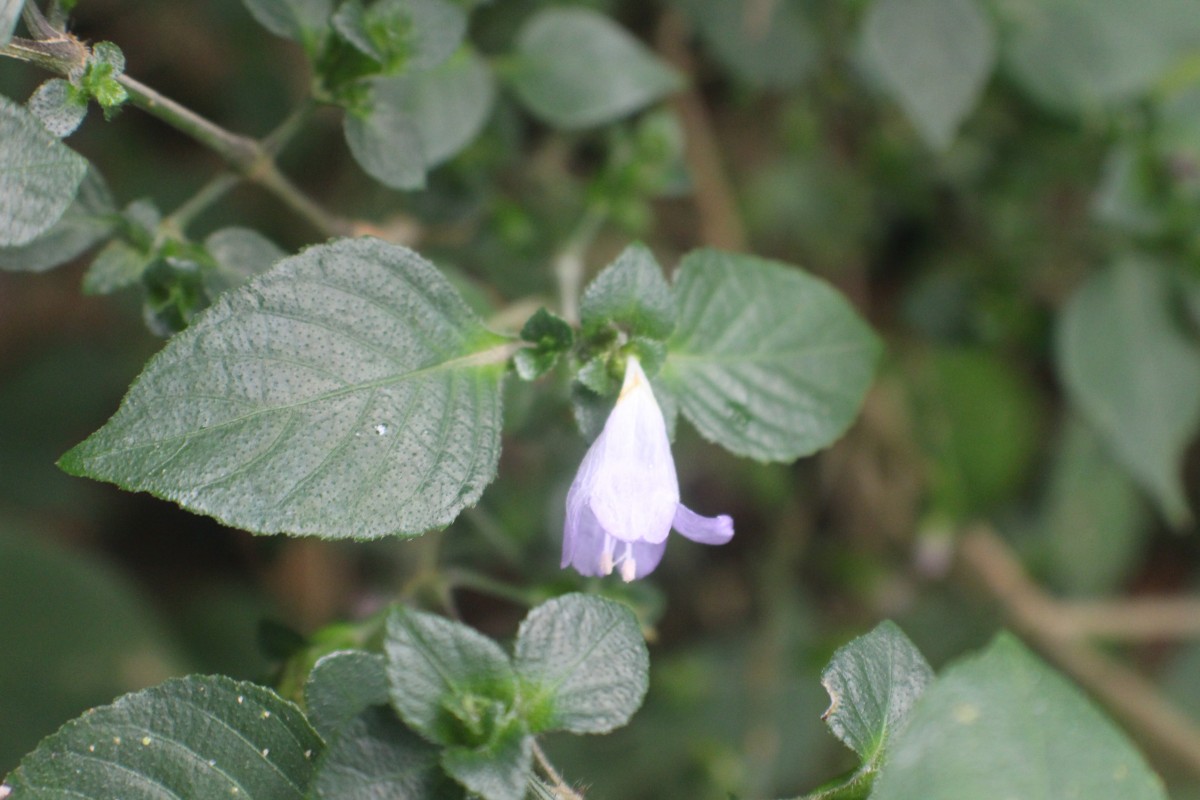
{"x":87,"y":221}
{"x":583,"y":663}
{"x":873,"y":683}
{"x":341,"y":685}
{"x":374,"y":757}
{"x":39,"y":176}
{"x":766,"y":360}
{"x":197,"y":736}
{"x":1003,"y":724}
{"x":349,"y":392}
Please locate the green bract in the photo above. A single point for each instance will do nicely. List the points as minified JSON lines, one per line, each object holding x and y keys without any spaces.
{"x":347,"y":392}
{"x":632,"y":294}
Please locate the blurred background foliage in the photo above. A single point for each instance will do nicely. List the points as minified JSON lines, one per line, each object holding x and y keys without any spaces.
{"x":1017,"y":214}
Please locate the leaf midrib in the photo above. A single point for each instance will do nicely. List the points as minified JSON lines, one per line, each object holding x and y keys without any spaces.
{"x":492,"y":355}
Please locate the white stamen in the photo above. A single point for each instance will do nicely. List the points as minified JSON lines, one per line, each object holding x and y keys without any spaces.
{"x":628,"y":569}
{"x":606,"y":563}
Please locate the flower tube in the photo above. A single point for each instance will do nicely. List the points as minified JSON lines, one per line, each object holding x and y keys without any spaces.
{"x":625,"y":498}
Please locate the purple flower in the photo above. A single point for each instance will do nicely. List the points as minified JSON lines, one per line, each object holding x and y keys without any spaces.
{"x":625,"y":498}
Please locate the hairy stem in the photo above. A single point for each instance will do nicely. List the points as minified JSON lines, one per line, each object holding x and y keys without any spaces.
{"x":561,"y":789}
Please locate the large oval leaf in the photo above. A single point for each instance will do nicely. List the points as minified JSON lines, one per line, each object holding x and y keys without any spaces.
{"x":935,"y":56}
{"x":577,"y":68}
{"x":1002,"y":724}
{"x":194,"y":737}
{"x":1129,"y":366}
{"x":39,"y":175}
{"x":766,"y":361}
{"x":347,"y":392}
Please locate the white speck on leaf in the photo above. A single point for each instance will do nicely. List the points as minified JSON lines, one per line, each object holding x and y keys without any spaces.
{"x":966,"y":714}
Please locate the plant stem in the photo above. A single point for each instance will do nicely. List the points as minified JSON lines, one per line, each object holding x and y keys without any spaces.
{"x":250,"y":157}
{"x":242,"y":152}
{"x":179,"y":220}
{"x":987,"y":562}
{"x":561,"y":789}
{"x":457,"y":578}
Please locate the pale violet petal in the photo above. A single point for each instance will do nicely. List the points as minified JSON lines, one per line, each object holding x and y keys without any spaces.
{"x":647,"y":555}
{"x":635,"y":490}
{"x":586,"y":544}
{"x":705,"y":530}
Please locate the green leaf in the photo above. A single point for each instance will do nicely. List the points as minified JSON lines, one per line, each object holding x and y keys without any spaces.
{"x":419,"y":120}
{"x":386,"y":143}
{"x":88,"y":220}
{"x":1128,"y":365}
{"x":72,"y":626}
{"x":977,"y":418}
{"x":873,"y":683}
{"x":58,"y":106}
{"x":450,"y":683}
{"x":771,"y":46}
{"x":10,"y":12}
{"x":349,"y":392}
{"x":117,"y":266}
{"x":582,"y":663}
{"x":414,"y":34}
{"x":1081,"y":56}
{"x":632,"y":293}
{"x":579,"y":69}
{"x":189,"y":737}
{"x":767,"y":361}
{"x":239,"y":254}
{"x":935,"y":56}
{"x":1092,"y":519}
{"x":340,"y":686}
{"x":376,"y":757}
{"x":449,"y":103}
{"x":551,"y":335}
{"x":99,"y":78}
{"x":499,"y":771}
{"x":1003,"y":724}
{"x":39,"y":176}
{"x":303,"y":21}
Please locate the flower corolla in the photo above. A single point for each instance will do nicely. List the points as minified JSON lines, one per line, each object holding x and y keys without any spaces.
{"x":625,"y":499}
